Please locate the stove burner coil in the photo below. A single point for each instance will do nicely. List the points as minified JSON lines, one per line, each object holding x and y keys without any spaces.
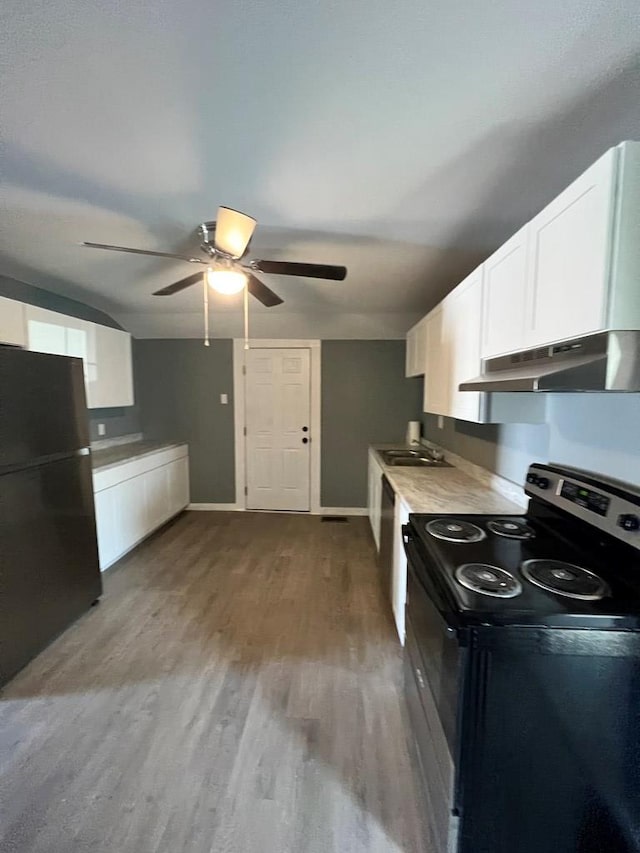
{"x":565,"y":579}
{"x":453,"y":530}
{"x":488,"y":580}
{"x":511,"y":528}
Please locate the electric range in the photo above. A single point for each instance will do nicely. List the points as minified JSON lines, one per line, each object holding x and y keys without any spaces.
{"x":522,"y":668}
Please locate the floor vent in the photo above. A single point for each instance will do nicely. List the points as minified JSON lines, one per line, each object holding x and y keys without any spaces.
{"x":335,"y":519}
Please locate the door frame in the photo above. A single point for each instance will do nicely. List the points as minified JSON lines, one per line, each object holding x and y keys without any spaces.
{"x":239,"y":412}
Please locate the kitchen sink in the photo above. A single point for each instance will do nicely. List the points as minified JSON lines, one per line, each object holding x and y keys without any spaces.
{"x":412,"y":459}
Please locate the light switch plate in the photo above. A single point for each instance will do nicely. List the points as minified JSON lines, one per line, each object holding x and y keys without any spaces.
{"x":440,"y":422}
{"x":224,"y":399}
{"x":102,"y":429}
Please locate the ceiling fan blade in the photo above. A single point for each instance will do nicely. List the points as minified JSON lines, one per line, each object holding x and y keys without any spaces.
{"x":144,"y":252}
{"x":261,"y":292}
{"x":310,"y":270}
{"x":233,"y":231}
{"x":177,"y":286}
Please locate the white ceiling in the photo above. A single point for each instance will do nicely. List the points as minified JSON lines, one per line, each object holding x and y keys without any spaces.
{"x":404,"y":140}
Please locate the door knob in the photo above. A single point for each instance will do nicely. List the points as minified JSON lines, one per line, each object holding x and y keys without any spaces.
{"x":305,"y":440}
{"x":305,"y":429}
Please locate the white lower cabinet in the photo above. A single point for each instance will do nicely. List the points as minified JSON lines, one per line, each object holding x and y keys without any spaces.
{"x":107,"y":528}
{"x":178,"y":483}
{"x":399,"y":580}
{"x":374,"y":497}
{"x":135,"y":498}
{"x":156,"y":496}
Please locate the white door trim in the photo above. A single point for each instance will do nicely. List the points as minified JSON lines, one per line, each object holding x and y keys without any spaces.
{"x":239,"y":413}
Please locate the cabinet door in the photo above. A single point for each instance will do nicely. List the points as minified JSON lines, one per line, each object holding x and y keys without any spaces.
{"x":436,"y":380}
{"x":178,"y":484}
{"x":504,"y":297}
{"x":109,"y":541}
{"x":12,"y":322}
{"x":374,"y":501}
{"x":377,"y":505}
{"x":113,"y":383}
{"x":131,"y":512}
{"x":156,"y":495}
{"x":463,"y":318}
{"x":416,"y":352}
{"x":421,"y":348}
{"x":410,"y":353}
{"x":399,"y":582}
{"x":57,"y":334}
{"x":46,"y":331}
{"x":569,"y":251}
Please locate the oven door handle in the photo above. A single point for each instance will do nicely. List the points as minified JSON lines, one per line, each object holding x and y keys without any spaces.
{"x":414,"y":559}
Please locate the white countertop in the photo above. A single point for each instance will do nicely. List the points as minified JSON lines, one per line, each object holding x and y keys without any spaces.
{"x":464,"y":488}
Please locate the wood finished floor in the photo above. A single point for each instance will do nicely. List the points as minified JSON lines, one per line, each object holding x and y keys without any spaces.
{"x":238,"y":689}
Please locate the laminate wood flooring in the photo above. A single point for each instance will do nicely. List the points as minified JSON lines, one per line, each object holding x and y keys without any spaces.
{"x":237,"y":690}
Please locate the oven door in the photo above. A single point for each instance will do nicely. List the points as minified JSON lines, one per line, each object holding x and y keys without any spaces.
{"x":432,"y":669}
{"x":437,"y":642}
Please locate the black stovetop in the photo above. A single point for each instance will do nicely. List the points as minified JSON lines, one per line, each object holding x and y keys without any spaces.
{"x":556,"y":538}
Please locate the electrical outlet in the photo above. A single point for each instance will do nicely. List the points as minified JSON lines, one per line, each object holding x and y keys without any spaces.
{"x":440,"y":422}
{"x":224,"y":399}
{"x":102,"y":429}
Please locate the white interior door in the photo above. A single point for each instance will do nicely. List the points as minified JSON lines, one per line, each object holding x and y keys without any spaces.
{"x":278,"y":420}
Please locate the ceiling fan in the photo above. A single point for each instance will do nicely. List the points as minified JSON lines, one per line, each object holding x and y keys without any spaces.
{"x":226,"y":243}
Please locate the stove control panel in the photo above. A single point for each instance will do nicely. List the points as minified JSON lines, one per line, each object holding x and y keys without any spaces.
{"x":586,"y":498}
{"x":540,"y":482}
{"x":629,"y":521}
{"x":608,"y":505}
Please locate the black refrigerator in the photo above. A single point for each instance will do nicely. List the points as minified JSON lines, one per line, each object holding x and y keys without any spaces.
{"x":49,"y":571}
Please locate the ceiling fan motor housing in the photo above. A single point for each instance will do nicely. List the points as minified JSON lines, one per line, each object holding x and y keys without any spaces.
{"x":206,"y":231}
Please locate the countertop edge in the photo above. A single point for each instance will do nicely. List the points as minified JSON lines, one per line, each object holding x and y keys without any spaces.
{"x":98,"y":469}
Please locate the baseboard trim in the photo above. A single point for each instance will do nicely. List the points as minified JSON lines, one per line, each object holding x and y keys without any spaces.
{"x":324,"y":510}
{"x":214,"y":507}
{"x":343,"y":510}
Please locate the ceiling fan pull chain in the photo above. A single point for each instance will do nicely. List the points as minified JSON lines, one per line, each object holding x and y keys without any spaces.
{"x":205,"y":287}
{"x":246,"y":317}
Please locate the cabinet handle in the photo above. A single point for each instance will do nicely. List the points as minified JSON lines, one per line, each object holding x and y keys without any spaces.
{"x":305,"y":429}
{"x":305,"y":440}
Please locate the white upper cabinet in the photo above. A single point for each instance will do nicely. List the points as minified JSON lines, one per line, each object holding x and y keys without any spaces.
{"x":436,"y":378}
{"x":463,"y":310}
{"x":453,"y":340}
{"x":12,"y":324}
{"x":57,"y":334}
{"x":416,"y":353}
{"x":112,"y":383}
{"x":105,"y":353}
{"x":569,"y":258}
{"x":504,"y":302}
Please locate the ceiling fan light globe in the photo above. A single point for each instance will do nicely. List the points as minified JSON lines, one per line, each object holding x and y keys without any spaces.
{"x":226,"y":282}
{"x":233,"y":231}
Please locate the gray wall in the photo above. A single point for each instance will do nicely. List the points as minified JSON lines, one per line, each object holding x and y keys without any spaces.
{"x":178,"y":385}
{"x":365,"y":400}
{"x":116,"y":421}
{"x":599,"y":432}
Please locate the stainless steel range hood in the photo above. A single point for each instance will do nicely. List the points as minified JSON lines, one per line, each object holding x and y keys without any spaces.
{"x":607,"y":361}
